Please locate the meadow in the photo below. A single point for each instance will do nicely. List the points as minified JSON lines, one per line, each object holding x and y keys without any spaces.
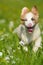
{"x":11,"y":53}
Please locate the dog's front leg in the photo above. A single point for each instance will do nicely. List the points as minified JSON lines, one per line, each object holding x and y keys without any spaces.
{"x":37,"y":44}
{"x":23,"y":46}
{"x":21,"y":43}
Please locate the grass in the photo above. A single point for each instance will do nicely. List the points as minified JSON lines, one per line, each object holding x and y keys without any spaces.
{"x":10,"y":51}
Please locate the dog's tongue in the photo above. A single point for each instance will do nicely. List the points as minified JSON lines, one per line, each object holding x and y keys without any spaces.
{"x":30,"y":30}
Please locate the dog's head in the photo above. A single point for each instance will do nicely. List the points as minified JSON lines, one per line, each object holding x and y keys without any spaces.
{"x":30,"y":20}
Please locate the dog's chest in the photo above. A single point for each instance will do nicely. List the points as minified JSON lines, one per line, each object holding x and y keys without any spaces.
{"x":25,"y":36}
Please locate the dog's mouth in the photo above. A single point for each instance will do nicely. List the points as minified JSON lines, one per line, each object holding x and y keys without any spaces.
{"x":30,"y":29}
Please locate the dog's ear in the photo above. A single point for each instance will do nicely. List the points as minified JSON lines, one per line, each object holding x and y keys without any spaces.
{"x":24,"y":11}
{"x":34,"y":10}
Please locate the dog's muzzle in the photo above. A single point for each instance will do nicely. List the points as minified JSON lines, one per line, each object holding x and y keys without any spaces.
{"x":30,"y":29}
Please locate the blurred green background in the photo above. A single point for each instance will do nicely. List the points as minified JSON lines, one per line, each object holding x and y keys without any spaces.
{"x":10,"y":51}
{"x":11,"y":9}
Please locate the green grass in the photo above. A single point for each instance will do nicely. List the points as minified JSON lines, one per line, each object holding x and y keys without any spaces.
{"x":9,"y":43}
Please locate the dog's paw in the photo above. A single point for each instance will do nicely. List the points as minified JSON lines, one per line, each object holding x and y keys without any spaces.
{"x":35,"y":49}
{"x":21,"y":43}
{"x":24,"y":47}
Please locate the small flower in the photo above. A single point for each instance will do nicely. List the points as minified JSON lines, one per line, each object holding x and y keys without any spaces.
{"x":14,"y":50}
{"x":25,"y":48}
{"x":11,"y":25}
{"x":1,"y":54}
{"x":11,"y":57}
{"x":8,"y":51}
{"x":7,"y":58}
{"x":3,"y":36}
{"x":13,"y":62}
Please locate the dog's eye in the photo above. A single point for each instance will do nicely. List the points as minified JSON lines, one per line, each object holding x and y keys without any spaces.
{"x":32,"y":19}
{"x":24,"y":19}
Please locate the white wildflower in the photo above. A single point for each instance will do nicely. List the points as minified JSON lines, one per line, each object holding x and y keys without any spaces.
{"x":3,"y":36}
{"x":3,"y":50}
{"x":25,"y":48}
{"x":11,"y":25}
{"x":13,"y":62}
{"x":11,"y":57}
{"x":8,"y":51}
{"x":7,"y":61}
{"x":14,"y":50}
{"x":7,"y":58}
{"x":1,"y":54}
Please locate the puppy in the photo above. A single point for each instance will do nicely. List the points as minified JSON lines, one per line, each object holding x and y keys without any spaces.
{"x":29,"y":31}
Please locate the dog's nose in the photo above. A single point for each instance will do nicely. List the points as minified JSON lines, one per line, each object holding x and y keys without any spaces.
{"x":30,"y":24}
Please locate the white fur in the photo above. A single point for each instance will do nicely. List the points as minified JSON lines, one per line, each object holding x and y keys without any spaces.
{"x":37,"y":44}
{"x":26,"y":37}
{"x":28,"y":17}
